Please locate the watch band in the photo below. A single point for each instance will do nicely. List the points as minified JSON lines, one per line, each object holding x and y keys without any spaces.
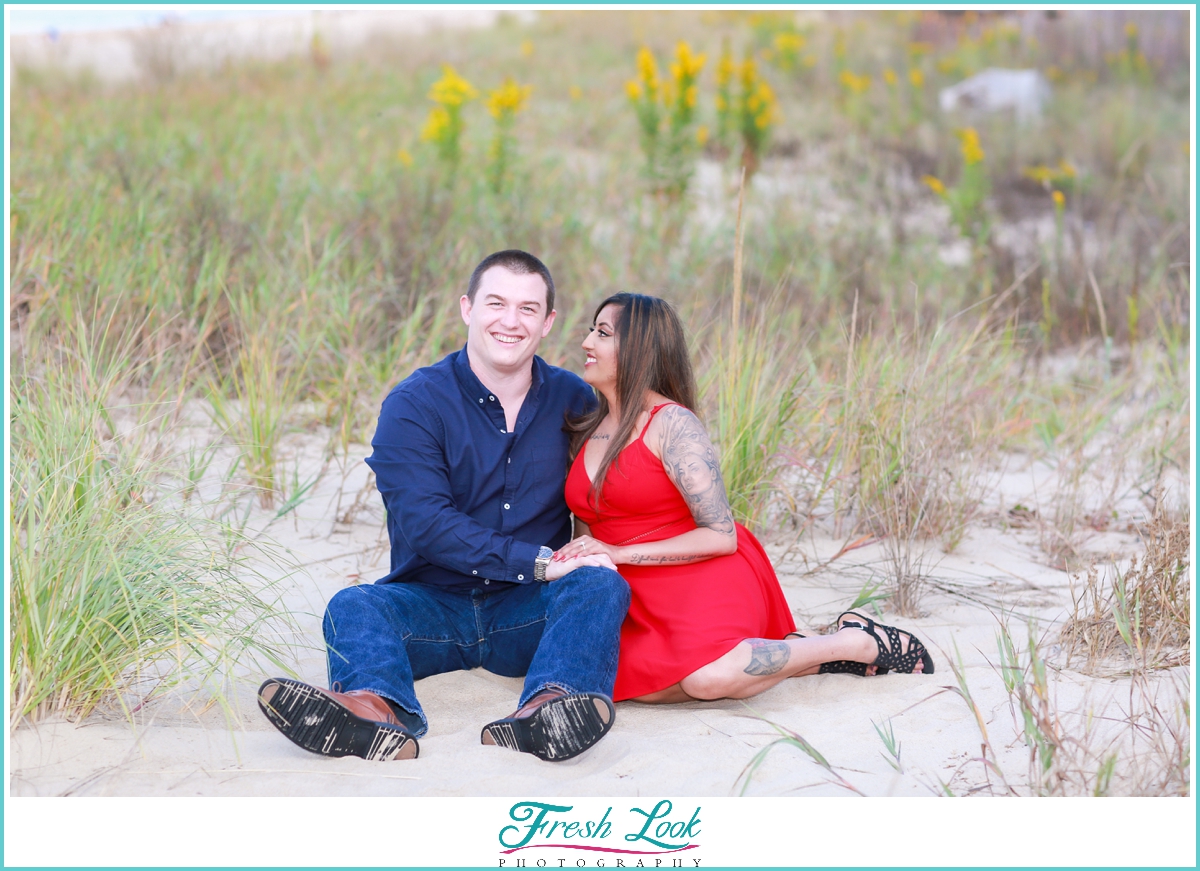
{"x":541,"y":563}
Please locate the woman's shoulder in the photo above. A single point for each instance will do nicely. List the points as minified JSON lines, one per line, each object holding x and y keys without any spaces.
{"x":669,"y":419}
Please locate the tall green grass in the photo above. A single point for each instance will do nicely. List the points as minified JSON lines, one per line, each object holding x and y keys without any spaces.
{"x":118,"y":595}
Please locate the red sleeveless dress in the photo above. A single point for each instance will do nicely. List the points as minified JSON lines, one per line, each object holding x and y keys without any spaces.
{"x":681,"y":617}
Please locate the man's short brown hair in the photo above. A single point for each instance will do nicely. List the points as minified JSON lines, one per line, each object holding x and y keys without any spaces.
{"x":519,"y":262}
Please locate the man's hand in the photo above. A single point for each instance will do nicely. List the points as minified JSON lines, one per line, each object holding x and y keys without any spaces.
{"x":562,"y":567}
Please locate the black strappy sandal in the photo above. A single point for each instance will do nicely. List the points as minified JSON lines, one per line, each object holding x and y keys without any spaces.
{"x":889,"y":656}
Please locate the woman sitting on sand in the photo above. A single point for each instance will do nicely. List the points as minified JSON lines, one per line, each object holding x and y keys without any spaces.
{"x":707,"y":619}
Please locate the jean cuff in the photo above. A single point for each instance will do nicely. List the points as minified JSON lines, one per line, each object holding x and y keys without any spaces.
{"x":545,"y":685}
{"x":418,"y":713}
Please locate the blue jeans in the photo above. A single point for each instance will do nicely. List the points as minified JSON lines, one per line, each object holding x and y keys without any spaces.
{"x":564,"y":633}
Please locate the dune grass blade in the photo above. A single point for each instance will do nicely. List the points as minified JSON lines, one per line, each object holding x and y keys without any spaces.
{"x":116,"y":594}
{"x":794,"y":739}
{"x":754,"y":397}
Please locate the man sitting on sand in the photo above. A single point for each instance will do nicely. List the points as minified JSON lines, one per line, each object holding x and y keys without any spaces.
{"x":470,"y":458}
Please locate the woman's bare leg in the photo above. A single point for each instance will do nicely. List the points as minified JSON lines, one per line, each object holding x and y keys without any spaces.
{"x":671,"y":695}
{"x":757,"y":664}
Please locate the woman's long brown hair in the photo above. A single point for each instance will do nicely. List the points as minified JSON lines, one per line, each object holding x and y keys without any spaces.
{"x":652,"y":355}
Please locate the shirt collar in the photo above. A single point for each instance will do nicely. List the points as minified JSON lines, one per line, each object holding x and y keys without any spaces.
{"x":474,"y":387}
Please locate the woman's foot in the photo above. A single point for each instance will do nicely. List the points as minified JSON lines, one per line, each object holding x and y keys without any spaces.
{"x":886,"y":647}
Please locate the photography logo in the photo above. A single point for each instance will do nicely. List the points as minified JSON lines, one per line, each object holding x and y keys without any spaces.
{"x":630,"y":838}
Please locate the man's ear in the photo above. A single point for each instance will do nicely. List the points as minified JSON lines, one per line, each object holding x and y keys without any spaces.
{"x":549,"y":323}
{"x":464,"y":306}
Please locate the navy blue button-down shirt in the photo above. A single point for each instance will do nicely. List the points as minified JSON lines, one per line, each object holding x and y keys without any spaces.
{"x":467,"y":501}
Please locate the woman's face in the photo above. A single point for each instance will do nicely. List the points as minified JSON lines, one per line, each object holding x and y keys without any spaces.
{"x":600,"y":364}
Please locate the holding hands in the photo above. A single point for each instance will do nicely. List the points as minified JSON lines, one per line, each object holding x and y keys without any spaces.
{"x":561,"y":566}
{"x":586,"y":546}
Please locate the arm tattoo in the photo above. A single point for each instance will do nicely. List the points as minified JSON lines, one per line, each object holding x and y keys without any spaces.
{"x":691,"y":463}
{"x":639,"y":558}
{"x":767,"y":657}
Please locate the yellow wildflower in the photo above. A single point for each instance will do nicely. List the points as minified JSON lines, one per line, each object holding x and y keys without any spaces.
{"x":1067,"y":170}
{"x":788,"y":42}
{"x":575,"y":92}
{"x":935,"y":185}
{"x":648,"y":72}
{"x":947,"y":65}
{"x":889,"y":76}
{"x":526,"y":48}
{"x":509,"y":98}
{"x":451,"y":89}
{"x":687,"y":64}
{"x":1131,"y":30}
{"x":1040,"y":174}
{"x":854,"y":83}
{"x":972,"y":151}
{"x":1059,"y":199}
{"x":634,"y":90}
{"x":689,"y":97}
{"x":916,"y":49}
{"x":701,"y":135}
{"x":916,"y":77}
{"x":725,"y":69}
{"x":436,"y":124}
{"x":404,"y":157}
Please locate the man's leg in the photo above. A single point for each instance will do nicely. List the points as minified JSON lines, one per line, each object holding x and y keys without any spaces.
{"x":564,"y":636}
{"x":379,"y":638}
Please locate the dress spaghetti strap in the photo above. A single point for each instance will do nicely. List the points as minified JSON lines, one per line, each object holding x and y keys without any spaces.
{"x":653,"y":412}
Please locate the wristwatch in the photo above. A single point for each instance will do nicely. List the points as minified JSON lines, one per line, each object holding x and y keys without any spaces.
{"x":541,"y":563}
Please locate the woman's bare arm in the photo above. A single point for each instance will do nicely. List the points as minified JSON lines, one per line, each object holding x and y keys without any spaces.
{"x":678,"y":438}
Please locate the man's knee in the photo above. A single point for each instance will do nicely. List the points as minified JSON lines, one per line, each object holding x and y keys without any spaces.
{"x":350,"y":608}
{"x":598,"y":580}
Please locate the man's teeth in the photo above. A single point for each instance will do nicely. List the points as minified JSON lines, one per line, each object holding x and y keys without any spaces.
{"x":508,"y":340}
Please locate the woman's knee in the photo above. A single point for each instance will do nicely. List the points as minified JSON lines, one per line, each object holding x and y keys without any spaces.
{"x":708,"y":683}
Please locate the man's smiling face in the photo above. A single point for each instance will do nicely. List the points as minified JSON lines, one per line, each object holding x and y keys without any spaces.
{"x":507,"y":320}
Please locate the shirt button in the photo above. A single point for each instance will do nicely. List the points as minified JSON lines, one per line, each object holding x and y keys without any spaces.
{"x":520,"y":577}
{"x":485,"y":583}
{"x":506,"y":505}
{"x":481,"y":400}
{"x":474,"y":572}
{"x":501,"y":429}
{"x":492,"y":398}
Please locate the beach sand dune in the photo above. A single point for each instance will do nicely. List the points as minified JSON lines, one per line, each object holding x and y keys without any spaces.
{"x":699,"y":749}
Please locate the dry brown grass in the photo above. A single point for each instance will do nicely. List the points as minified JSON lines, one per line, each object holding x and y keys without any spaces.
{"x":1136,"y":619}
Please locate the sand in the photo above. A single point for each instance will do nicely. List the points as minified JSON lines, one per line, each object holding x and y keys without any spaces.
{"x":693,"y":749}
